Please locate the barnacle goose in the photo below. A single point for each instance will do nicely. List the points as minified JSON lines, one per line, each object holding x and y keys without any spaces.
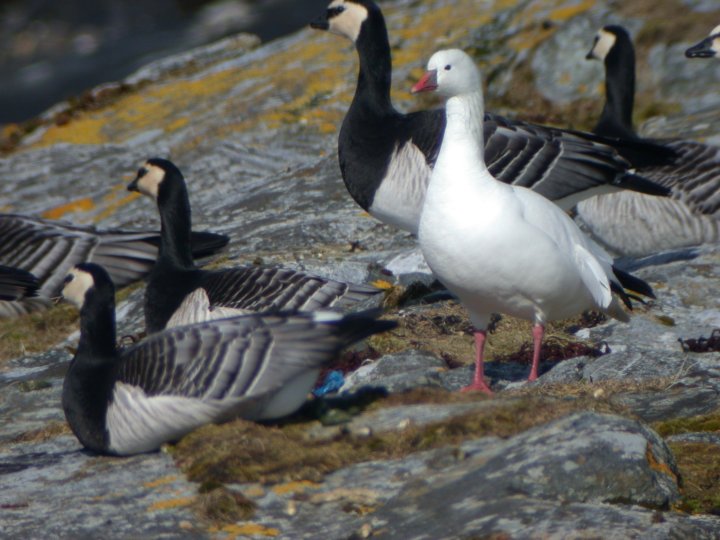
{"x":632,"y":224}
{"x":254,"y":366}
{"x":179,"y":292}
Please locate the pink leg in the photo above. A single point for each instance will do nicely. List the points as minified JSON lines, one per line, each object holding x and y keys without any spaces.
{"x":479,"y":379}
{"x":538,"y":332}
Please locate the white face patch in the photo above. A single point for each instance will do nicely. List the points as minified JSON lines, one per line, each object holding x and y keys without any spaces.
{"x":348,"y":21}
{"x":715,"y":30}
{"x":75,"y":289}
{"x":149,"y":183}
{"x":605,"y":41}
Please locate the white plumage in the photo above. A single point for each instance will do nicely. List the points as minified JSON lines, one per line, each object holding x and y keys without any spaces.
{"x":499,"y":247}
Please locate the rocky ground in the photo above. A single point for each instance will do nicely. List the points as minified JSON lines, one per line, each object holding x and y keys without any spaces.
{"x":615,"y":445}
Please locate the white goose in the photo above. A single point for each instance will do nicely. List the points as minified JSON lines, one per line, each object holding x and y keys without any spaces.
{"x":501,"y":248}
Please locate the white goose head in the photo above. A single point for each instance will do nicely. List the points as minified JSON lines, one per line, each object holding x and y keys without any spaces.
{"x":345,"y":17}
{"x":450,"y":72}
{"x":708,"y":47}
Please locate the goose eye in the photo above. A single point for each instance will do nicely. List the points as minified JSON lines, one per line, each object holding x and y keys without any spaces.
{"x":335,"y":11}
{"x":142,"y":171}
{"x":448,"y":67}
{"x":68,"y":279}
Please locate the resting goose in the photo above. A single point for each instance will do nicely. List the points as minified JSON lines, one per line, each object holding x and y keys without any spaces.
{"x":16,"y":284}
{"x":255,"y":367}
{"x":503,"y":248}
{"x":178,"y":292}
{"x":708,"y":47}
{"x":633,"y":224}
{"x":386,"y":157}
{"x":48,"y":249}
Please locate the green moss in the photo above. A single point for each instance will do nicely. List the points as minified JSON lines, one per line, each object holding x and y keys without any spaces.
{"x":703,"y":423}
{"x":49,"y":431}
{"x":32,"y":386}
{"x":243,"y":451}
{"x":36,"y":332}
{"x":699,"y":466}
{"x":220,"y":505}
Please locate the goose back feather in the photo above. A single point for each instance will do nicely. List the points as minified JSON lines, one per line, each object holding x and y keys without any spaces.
{"x":48,"y":249}
{"x":16,"y":284}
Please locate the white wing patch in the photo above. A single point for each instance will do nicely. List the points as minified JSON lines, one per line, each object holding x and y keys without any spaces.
{"x":400,"y":197}
{"x":196,"y":308}
{"x":138,"y":423}
{"x":593,"y":276}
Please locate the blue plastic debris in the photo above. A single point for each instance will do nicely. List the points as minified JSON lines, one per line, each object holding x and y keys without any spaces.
{"x":332,"y":383}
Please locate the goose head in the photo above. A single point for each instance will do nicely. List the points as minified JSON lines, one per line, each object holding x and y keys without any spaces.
{"x":345,"y":17}
{"x":605,"y":41}
{"x":708,"y":47}
{"x":154,"y":177}
{"x":450,"y":72}
{"x":83,"y":281}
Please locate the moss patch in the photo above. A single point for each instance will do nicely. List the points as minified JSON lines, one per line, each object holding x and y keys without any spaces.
{"x":699,"y":466}
{"x":243,"y":451}
{"x":445,"y":330}
{"x":36,"y":332}
{"x":676,"y":426}
{"x":221,"y":505}
{"x":50,"y":431}
{"x":698,"y":463}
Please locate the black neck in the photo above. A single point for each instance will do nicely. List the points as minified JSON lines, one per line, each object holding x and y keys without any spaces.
{"x":372,"y":93}
{"x":616,"y":117}
{"x":176,"y":227}
{"x":97,"y":328}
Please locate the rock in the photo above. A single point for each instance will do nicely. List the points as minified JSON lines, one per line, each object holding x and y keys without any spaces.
{"x":254,"y":130}
{"x":536,"y":474}
{"x":543,"y":480}
{"x":397,"y":372}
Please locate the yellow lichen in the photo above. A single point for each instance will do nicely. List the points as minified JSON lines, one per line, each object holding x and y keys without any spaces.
{"x":568,"y":12}
{"x":84,"y":204}
{"x":382,"y":284}
{"x":168,"y":504}
{"x":163,"y":480}
{"x":294,"y":487}
{"x":247,"y":529}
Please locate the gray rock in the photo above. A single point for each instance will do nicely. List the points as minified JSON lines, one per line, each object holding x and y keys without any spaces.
{"x":530,"y":482}
{"x":397,"y":372}
{"x":701,"y":437}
